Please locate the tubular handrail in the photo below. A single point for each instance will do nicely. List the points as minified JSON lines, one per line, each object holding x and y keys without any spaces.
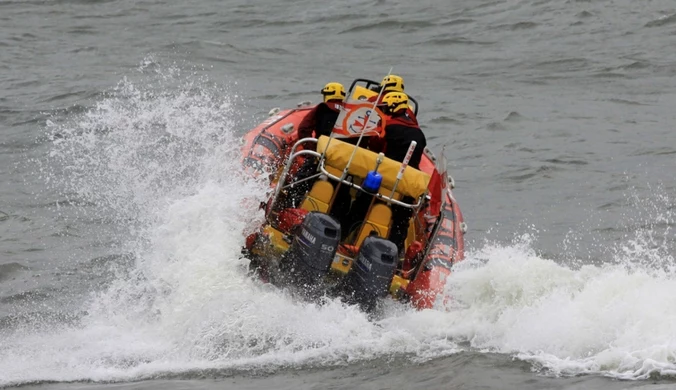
{"x":295,"y":183}
{"x":292,"y":155}
{"x":377,"y":195}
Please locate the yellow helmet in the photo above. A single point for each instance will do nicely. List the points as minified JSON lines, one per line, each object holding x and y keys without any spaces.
{"x":392,"y":83}
{"x":333,"y":91}
{"x":394,"y":102}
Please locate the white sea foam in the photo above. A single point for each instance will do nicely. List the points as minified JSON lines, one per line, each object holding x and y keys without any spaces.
{"x":617,"y":320}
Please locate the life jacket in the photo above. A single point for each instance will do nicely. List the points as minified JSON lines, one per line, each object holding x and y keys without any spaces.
{"x":411,"y":115}
{"x":335,"y":105}
{"x":408,"y":119}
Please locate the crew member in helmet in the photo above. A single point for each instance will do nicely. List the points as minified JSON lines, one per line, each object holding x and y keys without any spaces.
{"x":321,"y":119}
{"x":393,"y":83}
{"x":400,"y":130}
{"x":390,"y":83}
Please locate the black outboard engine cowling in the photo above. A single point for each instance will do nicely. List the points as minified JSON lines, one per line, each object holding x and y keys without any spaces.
{"x":312,"y":250}
{"x":371,"y":275}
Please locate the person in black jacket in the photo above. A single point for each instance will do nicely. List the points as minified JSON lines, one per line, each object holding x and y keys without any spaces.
{"x":400,"y":130}
{"x":321,"y":119}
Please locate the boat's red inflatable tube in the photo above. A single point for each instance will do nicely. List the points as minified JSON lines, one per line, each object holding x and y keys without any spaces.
{"x":267,"y":145}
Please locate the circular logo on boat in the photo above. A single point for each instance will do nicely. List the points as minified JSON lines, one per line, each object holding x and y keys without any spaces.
{"x":362,"y":118}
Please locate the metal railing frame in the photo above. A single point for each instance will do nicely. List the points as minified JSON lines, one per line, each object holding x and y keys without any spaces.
{"x":322,"y":170}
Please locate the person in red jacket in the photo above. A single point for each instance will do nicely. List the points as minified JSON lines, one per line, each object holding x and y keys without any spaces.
{"x":322,"y":117}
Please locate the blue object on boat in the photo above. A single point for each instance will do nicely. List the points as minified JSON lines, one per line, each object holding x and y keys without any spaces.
{"x":372,"y":181}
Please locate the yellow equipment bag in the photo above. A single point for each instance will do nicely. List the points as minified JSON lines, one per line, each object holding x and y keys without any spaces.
{"x":413,"y":183}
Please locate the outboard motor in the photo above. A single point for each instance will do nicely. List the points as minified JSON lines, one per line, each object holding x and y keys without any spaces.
{"x":371,"y":275}
{"x":312,"y":250}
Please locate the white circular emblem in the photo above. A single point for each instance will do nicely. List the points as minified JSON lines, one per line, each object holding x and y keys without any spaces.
{"x":362,"y":119}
